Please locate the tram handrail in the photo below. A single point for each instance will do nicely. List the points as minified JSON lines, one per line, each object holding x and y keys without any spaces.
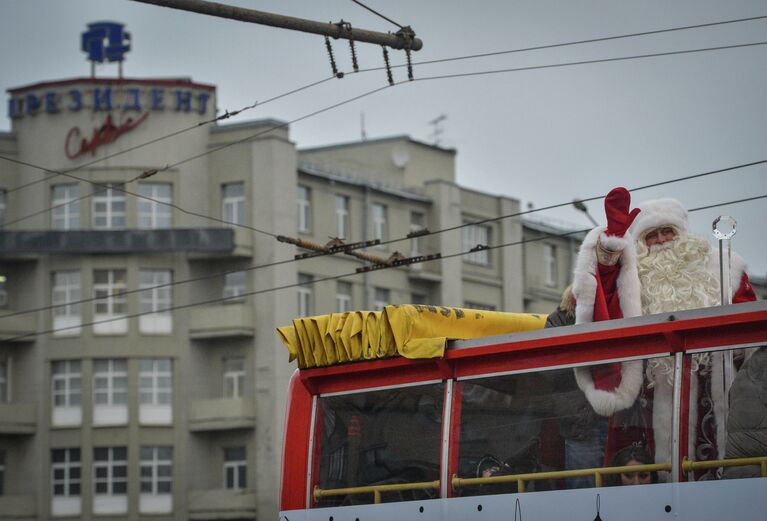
{"x":521,"y":479}
{"x":376,"y":490}
{"x":690,"y":465}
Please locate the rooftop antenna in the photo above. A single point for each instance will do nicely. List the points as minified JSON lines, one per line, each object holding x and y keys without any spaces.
{"x":437,"y":130}
{"x":363,"y":132}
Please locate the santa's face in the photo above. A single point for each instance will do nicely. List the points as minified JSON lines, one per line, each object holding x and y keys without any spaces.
{"x":659,"y":235}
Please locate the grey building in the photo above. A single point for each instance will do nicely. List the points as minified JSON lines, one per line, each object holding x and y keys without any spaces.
{"x":140,"y":374}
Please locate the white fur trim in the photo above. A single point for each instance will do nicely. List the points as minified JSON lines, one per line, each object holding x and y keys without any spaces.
{"x":606,"y":403}
{"x":737,"y":268}
{"x":659,"y":212}
{"x":584,"y":276}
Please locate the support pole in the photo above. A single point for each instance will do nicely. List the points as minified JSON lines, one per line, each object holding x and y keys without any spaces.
{"x":402,"y":39}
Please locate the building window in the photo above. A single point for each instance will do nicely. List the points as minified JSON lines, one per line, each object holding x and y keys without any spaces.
{"x":417,"y":224}
{"x":3,"y":205}
{"x":382,"y":299}
{"x":235,"y":468}
{"x":234,"y":286}
{"x":156,"y":471}
{"x":342,"y":217}
{"x":234,"y":377}
{"x":3,"y":291}
{"x":156,"y":300}
{"x":65,"y":207}
{"x":343,"y":296}
{"x":110,"y":306}
{"x":550,"y":264}
{"x":479,"y":306}
{"x":5,"y":379}
{"x":67,"y":314}
{"x":233,"y":203}
{"x":379,"y":222}
{"x":154,"y":209}
{"x":474,"y":235}
{"x":418,"y":299}
{"x":109,"y":207}
{"x":2,"y":472}
{"x":304,"y":205}
{"x":155,"y":391}
{"x":66,"y":386}
{"x":65,"y":482}
{"x":305,"y":300}
{"x":110,"y":480}
{"x":110,"y":391}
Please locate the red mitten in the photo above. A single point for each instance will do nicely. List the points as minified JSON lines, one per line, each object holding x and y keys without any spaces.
{"x":619,"y":219}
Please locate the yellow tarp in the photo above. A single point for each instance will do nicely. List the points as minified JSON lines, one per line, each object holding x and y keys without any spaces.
{"x":412,"y":331}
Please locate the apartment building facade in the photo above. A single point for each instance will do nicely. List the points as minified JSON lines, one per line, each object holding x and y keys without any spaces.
{"x":140,"y":375}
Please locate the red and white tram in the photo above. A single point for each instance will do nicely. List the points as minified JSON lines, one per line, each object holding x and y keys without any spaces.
{"x":482,"y":432}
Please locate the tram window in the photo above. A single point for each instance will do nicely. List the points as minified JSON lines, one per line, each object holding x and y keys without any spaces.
{"x":540,"y":422}
{"x":379,"y":437}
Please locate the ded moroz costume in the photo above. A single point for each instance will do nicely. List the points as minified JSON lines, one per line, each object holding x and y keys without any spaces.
{"x":617,"y":275}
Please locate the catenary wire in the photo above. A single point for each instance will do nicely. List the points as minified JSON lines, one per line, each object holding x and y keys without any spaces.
{"x":377,"y":13}
{"x":575,"y":42}
{"x":400,"y":239}
{"x":334,"y":277}
{"x":355,"y":98}
{"x":435,"y":232}
{"x":440,"y":60}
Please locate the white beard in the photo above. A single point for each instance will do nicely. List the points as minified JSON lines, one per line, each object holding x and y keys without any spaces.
{"x":673,"y":276}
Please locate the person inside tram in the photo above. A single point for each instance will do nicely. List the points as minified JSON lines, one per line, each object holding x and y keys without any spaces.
{"x":627,"y":457}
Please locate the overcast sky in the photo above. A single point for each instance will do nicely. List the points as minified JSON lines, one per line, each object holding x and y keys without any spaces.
{"x":542,"y":136}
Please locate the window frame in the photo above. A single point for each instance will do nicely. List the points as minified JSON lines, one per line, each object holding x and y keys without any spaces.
{"x":343,"y":222}
{"x":67,"y":466}
{"x":239,"y":468}
{"x":111,"y":195}
{"x":233,"y":205}
{"x":344,"y":299}
{"x":473,"y":235}
{"x":154,"y":463}
{"x":304,"y":209}
{"x":153,"y":208}
{"x":305,"y":295}
{"x":111,"y":463}
{"x":234,"y":375}
{"x":110,"y":375}
{"x":67,"y":376}
{"x":379,"y":213}
{"x":65,"y":207}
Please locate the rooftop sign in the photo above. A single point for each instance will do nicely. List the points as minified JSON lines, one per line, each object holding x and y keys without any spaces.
{"x":105,"y":41}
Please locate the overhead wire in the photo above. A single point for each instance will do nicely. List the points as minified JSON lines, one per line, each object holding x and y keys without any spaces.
{"x":427,"y":62}
{"x":350,"y":100}
{"x":400,"y":239}
{"x":331,"y":278}
{"x":573,"y":42}
{"x":377,"y":13}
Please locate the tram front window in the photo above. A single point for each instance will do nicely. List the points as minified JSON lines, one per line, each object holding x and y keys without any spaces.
{"x":379,"y":438}
{"x":543,"y":421}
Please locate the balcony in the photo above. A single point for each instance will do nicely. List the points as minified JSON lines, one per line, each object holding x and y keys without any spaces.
{"x":221,"y":414}
{"x":17,"y":325}
{"x":18,"y":418}
{"x":222,"y":504}
{"x":18,"y":507}
{"x":221,"y":321}
{"x":79,"y":242}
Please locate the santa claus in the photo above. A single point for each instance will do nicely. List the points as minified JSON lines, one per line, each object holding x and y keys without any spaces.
{"x":646,"y":261}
